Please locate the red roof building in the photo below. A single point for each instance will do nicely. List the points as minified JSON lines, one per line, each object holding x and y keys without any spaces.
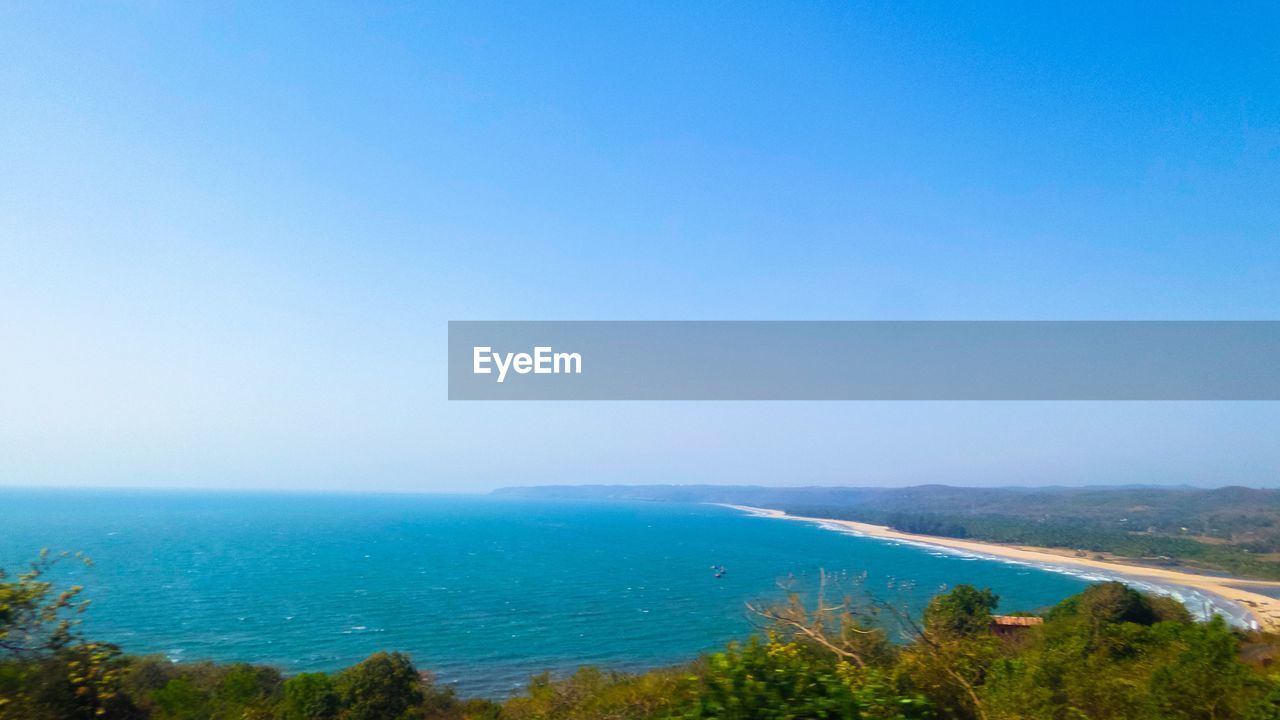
{"x":1013,"y":625}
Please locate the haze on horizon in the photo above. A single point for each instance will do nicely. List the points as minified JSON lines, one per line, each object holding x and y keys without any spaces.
{"x":232,"y":235}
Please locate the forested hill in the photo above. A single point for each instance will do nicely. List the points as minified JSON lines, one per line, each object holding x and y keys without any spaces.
{"x":1231,"y":529}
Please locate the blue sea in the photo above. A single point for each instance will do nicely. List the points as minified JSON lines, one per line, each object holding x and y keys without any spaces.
{"x":481,"y":591}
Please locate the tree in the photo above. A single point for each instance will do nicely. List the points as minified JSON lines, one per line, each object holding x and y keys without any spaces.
{"x":592,"y":694}
{"x":1109,"y":654}
{"x":33,"y":620}
{"x":1108,"y":603}
{"x":385,"y":686}
{"x":952,"y":651}
{"x":963,"y":612}
{"x":774,"y":680}
{"x":47,"y":669}
{"x":180,"y":699}
{"x":310,"y":696}
{"x":847,"y":629}
{"x":244,"y":688}
{"x":1204,"y":679}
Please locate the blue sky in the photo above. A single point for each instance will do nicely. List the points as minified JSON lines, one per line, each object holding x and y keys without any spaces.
{"x":231,"y":235}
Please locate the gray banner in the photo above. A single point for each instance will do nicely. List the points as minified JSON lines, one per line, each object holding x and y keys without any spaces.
{"x":864,"y":360}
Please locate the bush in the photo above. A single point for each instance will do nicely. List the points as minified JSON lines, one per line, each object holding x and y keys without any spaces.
{"x":767,"y":680}
{"x":310,"y":696}
{"x":385,"y":686}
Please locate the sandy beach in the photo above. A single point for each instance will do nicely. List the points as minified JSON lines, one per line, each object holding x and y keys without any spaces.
{"x":1264,"y":610}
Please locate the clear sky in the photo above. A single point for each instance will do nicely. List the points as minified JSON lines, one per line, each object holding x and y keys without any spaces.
{"x":231,"y":235}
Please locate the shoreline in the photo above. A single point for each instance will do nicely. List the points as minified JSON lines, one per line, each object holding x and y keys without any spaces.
{"x":1255,"y":610}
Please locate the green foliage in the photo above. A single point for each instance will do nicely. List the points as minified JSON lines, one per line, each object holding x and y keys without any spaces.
{"x":951,"y":654}
{"x":34,"y":619}
{"x":200,"y":691}
{"x":1108,"y":603}
{"x":1105,"y":654}
{"x":246,"y":685}
{"x":310,"y":696}
{"x":1200,"y":676}
{"x":592,"y":694}
{"x":180,"y":699}
{"x":383,"y":687}
{"x":963,"y":612}
{"x":1108,"y":653}
{"x":764,"y":680}
{"x":47,"y":669}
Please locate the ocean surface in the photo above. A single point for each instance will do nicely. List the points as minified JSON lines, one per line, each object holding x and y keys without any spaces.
{"x":481,"y":591}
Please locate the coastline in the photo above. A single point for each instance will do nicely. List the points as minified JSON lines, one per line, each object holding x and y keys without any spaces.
{"x":1251,"y":609}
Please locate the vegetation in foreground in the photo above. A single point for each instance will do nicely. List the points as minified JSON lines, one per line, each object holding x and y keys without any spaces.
{"x":1109,"y":652}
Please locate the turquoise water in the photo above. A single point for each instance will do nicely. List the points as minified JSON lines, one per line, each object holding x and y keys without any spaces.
{"x":481,"y":591}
